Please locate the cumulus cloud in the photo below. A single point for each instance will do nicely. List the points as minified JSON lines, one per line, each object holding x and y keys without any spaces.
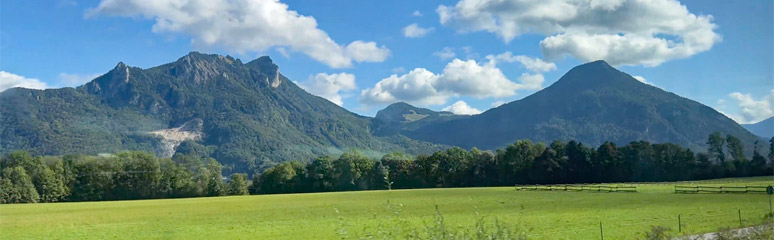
{"x":416,"y":13}
{"x":458,"y":78}
{"x":445,"y":53}
{"x":243,"y":26}
{"x":621,"y":32}
{"x":330,"y":86}
{"x":461,"y":108}
{"x":415,"y":31}
{"x":532,"y":64}
{"x":527,"y":81}
{"x":415,"y":87}
{"x":74,"y":79}
{"x":751,"y":110}
{"x":468,"y":78}
{"x":10,"y":80}
{"x":367,"y":52}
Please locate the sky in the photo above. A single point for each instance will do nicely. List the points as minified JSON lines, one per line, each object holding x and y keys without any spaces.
{"x":464,"y":56}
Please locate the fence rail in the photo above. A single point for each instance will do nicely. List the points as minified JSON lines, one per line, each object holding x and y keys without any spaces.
{"x":720,"y":189}
{"x":577,"y":188}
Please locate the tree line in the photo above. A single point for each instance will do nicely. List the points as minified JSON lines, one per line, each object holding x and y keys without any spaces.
{"x":523,"y":162}
{"x":124,"y":176}
{"x":139,"y":175}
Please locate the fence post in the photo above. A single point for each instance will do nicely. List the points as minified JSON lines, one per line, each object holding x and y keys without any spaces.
{"x":740,"y":216}
{"x":601,"y":235}
{"x":679,"y":224}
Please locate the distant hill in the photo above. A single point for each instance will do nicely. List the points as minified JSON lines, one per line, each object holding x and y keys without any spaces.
{"x":246,"y":115}
{"x":401,"y":117}
{"x":592,"y":103}
{"x":763,"y":128}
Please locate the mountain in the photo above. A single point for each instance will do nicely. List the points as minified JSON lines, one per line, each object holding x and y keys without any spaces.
{"x":401,"y":117}
{"x":246,"y":115}
{"x":592,"y":103}
{"x":763,"y":128}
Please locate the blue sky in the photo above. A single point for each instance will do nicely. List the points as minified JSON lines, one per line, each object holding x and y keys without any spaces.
{"x":719,"y":53}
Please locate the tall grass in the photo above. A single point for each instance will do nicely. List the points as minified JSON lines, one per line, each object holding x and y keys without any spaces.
{"x":394,"y":226}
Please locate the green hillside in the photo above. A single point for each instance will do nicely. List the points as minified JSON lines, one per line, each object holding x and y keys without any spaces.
{"x":251,"y":116}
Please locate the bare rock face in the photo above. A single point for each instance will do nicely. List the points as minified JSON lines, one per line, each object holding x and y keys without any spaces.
{"x":172,"y":137}
{"x":276,"y":82}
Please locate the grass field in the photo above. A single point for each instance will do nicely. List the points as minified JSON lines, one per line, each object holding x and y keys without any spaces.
{"x":544,"y":215}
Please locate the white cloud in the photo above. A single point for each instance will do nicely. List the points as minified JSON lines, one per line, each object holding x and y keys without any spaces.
{"x":10,"y":80}
{"x":459,"y":78}
{"x":469,"y":78}
{"x":621,"y":32}
{"x":415,"y":31}
{"x":498,"y":103}
{"x":527,"y":81}
{"x":242,"y":26}
{"x":752,"y":110}
{"x":367,"y":51}
{"x":445,"y":53}
{"x":330,"y":86}
{"x":416,"y":13}
{"x":532,"y":81}
{"x":532,"y":64}
{"x":461,"y":108}
{"x":74,"y":79}
{"x":415,"y":87}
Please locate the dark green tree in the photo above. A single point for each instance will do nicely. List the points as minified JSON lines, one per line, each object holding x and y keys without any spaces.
{"x":321,"y":174}
{"x":238,"y":184}
{"x":715,"y":142}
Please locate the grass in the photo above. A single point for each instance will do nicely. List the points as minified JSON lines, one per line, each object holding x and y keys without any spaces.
{"x":543,"y":215}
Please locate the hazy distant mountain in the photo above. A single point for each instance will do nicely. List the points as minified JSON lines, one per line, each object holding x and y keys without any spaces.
{"x":592,"y":103}
{"x":246,"y":115}
{"x":763,"y":128}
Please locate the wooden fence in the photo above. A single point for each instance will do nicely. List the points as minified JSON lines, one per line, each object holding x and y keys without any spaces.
{"x":720,"y":189}
{"x":578,"y":188}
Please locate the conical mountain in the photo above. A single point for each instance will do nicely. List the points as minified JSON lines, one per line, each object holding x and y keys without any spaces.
{"x":592,"y":103}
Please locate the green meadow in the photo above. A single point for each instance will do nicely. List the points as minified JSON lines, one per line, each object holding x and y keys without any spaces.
{"x":538,"y":214}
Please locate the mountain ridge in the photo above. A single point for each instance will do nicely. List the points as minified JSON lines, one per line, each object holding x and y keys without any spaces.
{"x":764,"y":128}
{"x":249,"y":116}
{"x":252,"y":116}
{"x":592,"y":103}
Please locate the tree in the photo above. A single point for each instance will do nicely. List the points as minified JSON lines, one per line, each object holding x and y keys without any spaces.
{"x":452,"y":164}
{"x":758,"y":163}
{"x":578,"y":162}
{"x":715,"y":142}
{"x":482,"y":168}
{"x":353,"y":171}
{"x":20,"y":188}
{"x":382,"y":177}
{"x":771,"y":152}
{"x":214,"y":181}
{"x":608,"y":164}
{"x":321,"y":174}
{"x":282,"y":178}
{"x":736,"y":151}
{"x":517,"y":158}
{"x":402,"y":170}
{"x":238,"y":184}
